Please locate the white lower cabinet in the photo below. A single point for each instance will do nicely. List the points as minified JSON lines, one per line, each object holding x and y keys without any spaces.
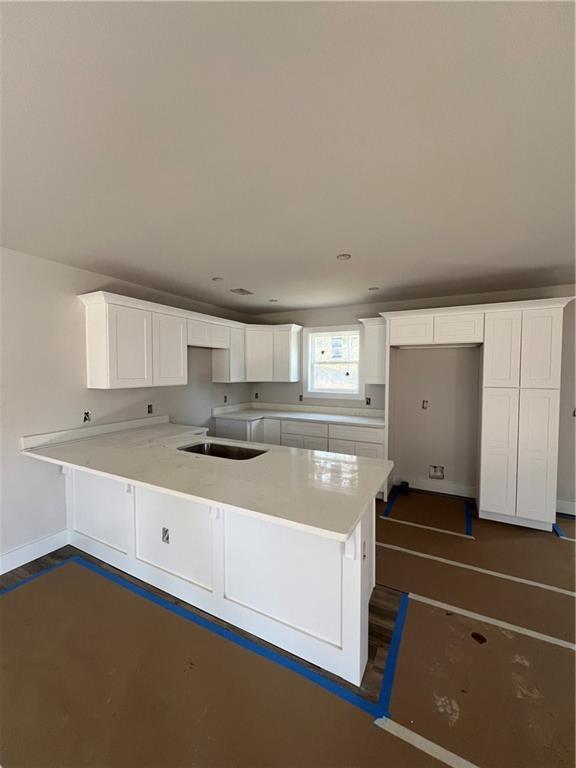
{"x":292,"y":441}
{"x":354,"y":448}
{"x":101,"y":509}
{"x":266,"y":431}
{"x":175,"y":535}
{"x":499,"y":452}
{"x":538,"y":454}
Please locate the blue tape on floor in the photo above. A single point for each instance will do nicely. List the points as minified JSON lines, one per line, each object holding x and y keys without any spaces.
{"x":558,"y":531}
{"x":375,"y":709}
{"x":469,"y":508}
{"x":391,"y":500}
{"x":391,"y":661}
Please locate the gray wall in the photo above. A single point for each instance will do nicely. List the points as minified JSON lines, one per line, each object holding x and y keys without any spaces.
{"x":43,"y":384}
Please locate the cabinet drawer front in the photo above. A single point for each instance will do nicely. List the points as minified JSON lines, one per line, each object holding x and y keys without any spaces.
{"x":360,"y":434}
{"x":198,"y":333}
{"x":188,"y":551}
{"x":459,"y":329}
{"x":342,"y":446}
{"x":369,"y":450}
{"x":412,"y":330}
{"x":219,"y":336}
{"x":304,"y":428}
{"x":316,"y":443}
{"x":292,"y":441}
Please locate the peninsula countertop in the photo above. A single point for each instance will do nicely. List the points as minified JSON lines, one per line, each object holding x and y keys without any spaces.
{"x":254,"y":414}
{"x":325,"y":493}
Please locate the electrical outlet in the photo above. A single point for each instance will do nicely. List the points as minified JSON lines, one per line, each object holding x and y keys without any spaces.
{"x":256,"y":395}
{"x":225,"y":398}
{"x":301,"y":397}
{"x":165,"y":535}
{"x":150,"y":408}
{"x":425,"y":405}
{"x":87,"y":416}
{"x":436,"y":472}
{"x":368,"y":400}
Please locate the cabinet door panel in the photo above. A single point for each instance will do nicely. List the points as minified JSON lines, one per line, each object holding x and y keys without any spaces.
{"x":259,"y":354}
{"x":369,"y":450}
{"x":541,"y":348}
{"x":459,"y":329}
{"x":175,"y":535}
{"x":130,"y":347}
{"x":347,"y":447}
{"x":169,"y":350}
{"x":316,"y":443}
{"x":502,"y":331}
{"x":499,"y":452}
{"x":219,"y":336}
{"x":538,"y":454}
{"x":198,"y":333}
{"x":292,"y":441}
{"x":412,"y":330}
{"x":102,"y":509}
{"x":374,"y":353}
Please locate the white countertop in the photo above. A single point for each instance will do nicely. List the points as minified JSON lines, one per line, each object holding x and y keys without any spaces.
{"x":254,"y":414}
{"x":323,"y":492}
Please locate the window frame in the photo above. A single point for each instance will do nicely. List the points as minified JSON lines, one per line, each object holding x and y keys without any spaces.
{"x":318,"y":395}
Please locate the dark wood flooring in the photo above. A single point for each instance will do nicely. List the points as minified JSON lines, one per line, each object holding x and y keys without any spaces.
{"x":384,"y":606}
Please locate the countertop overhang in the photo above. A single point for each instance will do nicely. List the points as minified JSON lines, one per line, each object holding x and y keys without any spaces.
{"x":317,"y":491}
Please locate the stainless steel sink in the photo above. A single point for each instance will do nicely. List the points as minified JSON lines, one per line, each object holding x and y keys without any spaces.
{"x":222,"y":450}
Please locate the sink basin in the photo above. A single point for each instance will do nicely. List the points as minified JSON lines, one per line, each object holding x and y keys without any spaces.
{"x":223,"y":451}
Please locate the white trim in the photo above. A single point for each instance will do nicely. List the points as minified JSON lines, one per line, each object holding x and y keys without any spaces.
{"x":566,"y":507}
{"x":428,"y":527}
{"x":49,"y":438}
{"x":423,"y":744}
{"x":526,"y":522}
{"x":495,"y":307}
{"x":497,"y":574}
{"x":495,"y":622}
{"x":14,"y":558}
{"x":309,"y":393}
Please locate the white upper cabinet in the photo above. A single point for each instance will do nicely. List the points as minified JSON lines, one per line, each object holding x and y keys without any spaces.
{"x":169,"y":350}
{"x":373,"y":358}
{"x":212,"y":335}
{"x":259,"y":354}
{"x":273,"y":353}
{"x":118,"y":347}
{"x":418,"y":329}
{"x":502,"y":333}
{"x":229,"y":365}
{"x":538,"y":454}
{"x":467,"y":328}
{"x":541,"y":348}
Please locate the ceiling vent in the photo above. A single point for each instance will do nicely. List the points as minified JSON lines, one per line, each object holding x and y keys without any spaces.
{"x":241,"y":291}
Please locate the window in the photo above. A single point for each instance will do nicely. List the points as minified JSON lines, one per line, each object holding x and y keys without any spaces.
{"x":332,"y":363}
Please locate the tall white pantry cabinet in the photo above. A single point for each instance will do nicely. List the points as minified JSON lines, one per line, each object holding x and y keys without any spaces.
{"x":520,"y":402}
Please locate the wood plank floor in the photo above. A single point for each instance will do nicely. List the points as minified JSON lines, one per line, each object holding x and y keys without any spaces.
{"x":384,"y":606}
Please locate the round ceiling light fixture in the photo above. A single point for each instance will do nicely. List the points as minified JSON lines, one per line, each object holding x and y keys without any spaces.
{"x":374,"y":288}
{"x":344,"y":256}
{"x":217,"y":279}
{"x":274,"y":301}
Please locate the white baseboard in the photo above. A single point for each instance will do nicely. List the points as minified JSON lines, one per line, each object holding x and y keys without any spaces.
{"x":25,"y":554}
{"x":440,"y":486}
{"x":566,"y":507}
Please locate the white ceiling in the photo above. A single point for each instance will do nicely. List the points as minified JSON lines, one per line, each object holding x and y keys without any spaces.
{"x":168,"y":143}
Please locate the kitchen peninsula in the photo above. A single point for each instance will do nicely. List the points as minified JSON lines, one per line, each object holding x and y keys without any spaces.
{"x":280,"y":544}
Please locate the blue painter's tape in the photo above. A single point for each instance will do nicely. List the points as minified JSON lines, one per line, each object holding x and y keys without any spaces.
{"x":391,"y":661}
{"x":391,"y":501}
{"x":375,"y":709}
{"x":469,"y":508}
{"x":558,"y":531}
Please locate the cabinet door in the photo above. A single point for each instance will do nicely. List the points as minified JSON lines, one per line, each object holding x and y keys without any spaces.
{"x":315,"y":443}
{"x":232,"y":429}
{"x":374,"y":354}
{"x":198,"y":333}
{"x":541,"y":348}
{"x":342,"y":446}
{"x":369,"y":450}
{"x":538,"y":454}
{"x":499,"y":451}
{"x":219,"y":336}
{"x":502,"y":332}
{"x":229,"y":365}
{"x":282,"y":356}
{"x":271,"y":431}
{"x":259,"y":354}
{"x":130,"y":346}
{"x":169,"y":350}
{"x":459,"y":329}
{"x":412,"y":330}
